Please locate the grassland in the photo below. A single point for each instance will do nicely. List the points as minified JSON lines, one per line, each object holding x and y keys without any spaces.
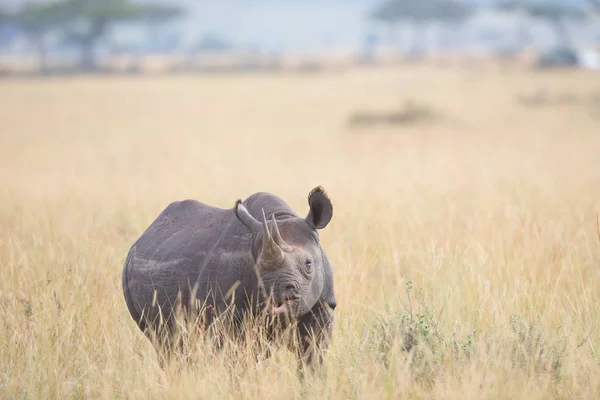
{"x":475,"y":232}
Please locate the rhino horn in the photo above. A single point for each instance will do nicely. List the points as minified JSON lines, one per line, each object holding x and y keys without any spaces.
{"x":277,"y":236}
{"x":248,"y":220}
{"x":271,"y":255}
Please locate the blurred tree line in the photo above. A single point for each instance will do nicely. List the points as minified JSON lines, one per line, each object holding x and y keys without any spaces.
{"x":419,"y":13}
{"x":85,"y":24}
{"x":82,"y":23}
{"x":453,"y":13}
{"x":555,"y":14}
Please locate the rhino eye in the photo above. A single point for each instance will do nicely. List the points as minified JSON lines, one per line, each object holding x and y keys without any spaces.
{"x":308,"y":264}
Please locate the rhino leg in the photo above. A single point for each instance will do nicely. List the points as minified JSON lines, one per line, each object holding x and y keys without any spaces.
{"x":172,"y":339}
{"x":314,"y":334}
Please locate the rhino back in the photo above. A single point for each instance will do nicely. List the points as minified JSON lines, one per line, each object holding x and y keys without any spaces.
{"x":189,"y":246}
{"x":269,"y":203}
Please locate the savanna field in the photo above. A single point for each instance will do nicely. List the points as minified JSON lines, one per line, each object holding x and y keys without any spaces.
{"x":468,"y":236}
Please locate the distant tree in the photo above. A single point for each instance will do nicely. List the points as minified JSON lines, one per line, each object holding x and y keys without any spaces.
{"x":97,"y":17}
{"x":4,"y":21}
{"x":83,"y":22}
{"x":211,"y":42}
{"x":554,"y":13}
{"x":37,"y":20}
{"x":395,"y":12}
{"x":4,"y":18}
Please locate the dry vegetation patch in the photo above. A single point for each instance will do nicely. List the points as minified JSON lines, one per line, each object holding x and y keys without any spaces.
{"x":465,"y":261}
{"x":409,"y":113}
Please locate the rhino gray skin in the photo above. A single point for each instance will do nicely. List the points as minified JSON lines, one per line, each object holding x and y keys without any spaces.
{"x":260,"y":250}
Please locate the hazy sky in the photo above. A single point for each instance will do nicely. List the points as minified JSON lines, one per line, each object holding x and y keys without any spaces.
{"x":273,"y":24}
{"x":296,"y":25}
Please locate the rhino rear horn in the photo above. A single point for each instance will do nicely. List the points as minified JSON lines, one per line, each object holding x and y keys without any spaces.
{"x":277,"y":236}
{"x":271,"y":255}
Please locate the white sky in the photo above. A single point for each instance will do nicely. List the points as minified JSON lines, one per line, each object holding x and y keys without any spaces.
{"x":296,"y":25}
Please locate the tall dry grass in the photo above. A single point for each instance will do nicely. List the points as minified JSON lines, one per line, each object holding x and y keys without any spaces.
{"x":471,"y":239}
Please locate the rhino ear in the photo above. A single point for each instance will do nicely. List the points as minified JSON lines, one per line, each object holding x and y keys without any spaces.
{"x":321,"y":209}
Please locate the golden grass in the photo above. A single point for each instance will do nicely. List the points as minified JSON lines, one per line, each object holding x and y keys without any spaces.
{"x":490,"y":214}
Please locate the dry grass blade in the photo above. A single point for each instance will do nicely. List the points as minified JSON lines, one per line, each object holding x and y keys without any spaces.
{"x":598,"y":226}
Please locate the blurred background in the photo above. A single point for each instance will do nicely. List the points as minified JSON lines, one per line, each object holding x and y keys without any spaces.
{"x":143,"y":36}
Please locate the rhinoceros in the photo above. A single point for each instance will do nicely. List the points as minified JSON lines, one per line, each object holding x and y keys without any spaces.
{"x":257,"y":257}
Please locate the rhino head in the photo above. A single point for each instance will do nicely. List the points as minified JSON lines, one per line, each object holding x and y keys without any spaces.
{"x":289,"y":258}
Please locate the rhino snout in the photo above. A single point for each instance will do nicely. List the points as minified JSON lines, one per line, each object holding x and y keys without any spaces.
{"x":289,"y":291}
